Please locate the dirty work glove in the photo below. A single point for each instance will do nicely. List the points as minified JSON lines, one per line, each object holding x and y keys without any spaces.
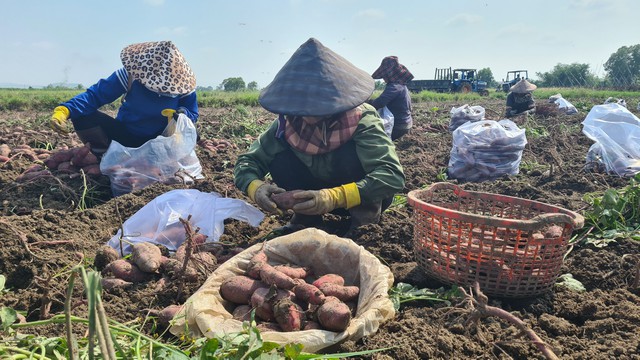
{"x":172,"y":114}
{"x":260,"y":192}
{"x":59,"y":119}
{"x":320,"y":202}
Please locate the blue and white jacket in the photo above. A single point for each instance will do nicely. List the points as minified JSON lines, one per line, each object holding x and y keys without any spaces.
{"x":141,"y":108}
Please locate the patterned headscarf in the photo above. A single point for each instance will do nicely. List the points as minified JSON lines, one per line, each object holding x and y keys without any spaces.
{"x":322,"y":137}
{"x":159,"y":66}
{"x":392,"y":71}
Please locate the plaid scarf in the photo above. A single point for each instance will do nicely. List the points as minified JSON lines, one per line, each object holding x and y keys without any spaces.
{"x":322,"y":137}
{"x":392,"y":71}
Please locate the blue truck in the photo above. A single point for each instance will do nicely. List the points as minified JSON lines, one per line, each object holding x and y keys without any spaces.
{"x":451,"y":80}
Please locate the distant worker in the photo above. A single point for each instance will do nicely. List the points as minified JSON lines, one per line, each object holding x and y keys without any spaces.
{"x":396,"y":96}
{"x":520,"y":98}
{"x":155,"y":83}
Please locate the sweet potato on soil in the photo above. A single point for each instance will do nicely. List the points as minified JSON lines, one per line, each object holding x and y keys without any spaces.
{"x":33,"y":175}
{"x":334,"y":315}
{"x":167,"y":314}
{"x":289,"y":315}
{"x":271,"y":276}
{"x":79,"y":154}
{"x":309,"y":293}
{"x":104,"y":256}
{"x":173,"y":269}
{"x":238,"y":289}
{"x":147,"y":256}
{"x":4,"y":159}
{"x":242,"y":313}
{"x":285,"y":200}
{"x":344,"y":293}
{"x":93,"y":169}
{"x":110,"y":284}
{"x":328,"y":278}
{"x":293,"y":272}
{"x":125,"y":270}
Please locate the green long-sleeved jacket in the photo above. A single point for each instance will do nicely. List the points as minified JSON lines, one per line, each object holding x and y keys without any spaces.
{"x":375,"y":150}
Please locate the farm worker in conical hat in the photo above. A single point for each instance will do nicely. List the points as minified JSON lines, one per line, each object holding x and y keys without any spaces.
{"x":396,"y":96}
{"x":155,"y":84}
{"x":520,"y":98}
{"x":326,"y":141}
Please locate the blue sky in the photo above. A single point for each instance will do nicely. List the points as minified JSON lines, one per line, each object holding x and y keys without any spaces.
{"x":45,"y":42}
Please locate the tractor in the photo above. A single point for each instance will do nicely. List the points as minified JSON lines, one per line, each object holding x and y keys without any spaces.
{"x":512,"y":78}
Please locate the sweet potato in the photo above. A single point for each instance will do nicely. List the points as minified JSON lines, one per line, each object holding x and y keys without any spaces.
{"x":147,"y":256}
{"x":309,"y":293}
{"x":110,"y":284}
{"x":33,"y":175}
{"x":173,"y":269}
{"x":334,"y":315}
{"x":93,"y":169}
{"x":104,"y":256}
{"x":263,"y":299}
{"x":311,"y":325}
{"x":285,"y":200}
{"x":553,"y":232}
{"x":238,"y":289}
{"x":167,"y":314}
{"x":344,"y":293}
{"x":89,"y":159}
{"x":4,"y":159}
{"x":293,"y":272}
{"x":328,"y":278}
{"x":79,"y":154}
{"x":256,"y":263}
{"x":125,"y":270}
{"x":271,"y":276}
{"x":289,"y":315}
{"x":242,"y":313}
{"x":66,"y":166}
{"x":5,"y":150}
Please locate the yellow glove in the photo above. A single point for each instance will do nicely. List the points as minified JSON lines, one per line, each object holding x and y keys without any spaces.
{"x":260,"y":192}
{"x":59,"y":119}
{"x":326,"y":200}
{"x":168,"y":113}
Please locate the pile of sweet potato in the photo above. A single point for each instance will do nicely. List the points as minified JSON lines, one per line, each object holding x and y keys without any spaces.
{"x":290,"y":298}
{"x":73,"y":159}
{"x":149,"y":261}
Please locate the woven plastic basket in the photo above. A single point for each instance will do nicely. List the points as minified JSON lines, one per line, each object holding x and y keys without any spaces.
{"x":511,"y":246}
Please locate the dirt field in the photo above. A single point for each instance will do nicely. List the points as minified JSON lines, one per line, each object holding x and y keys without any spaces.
{"x":43,"y":234}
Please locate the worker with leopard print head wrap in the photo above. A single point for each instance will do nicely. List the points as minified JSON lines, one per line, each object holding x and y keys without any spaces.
{"x":154,"y":84}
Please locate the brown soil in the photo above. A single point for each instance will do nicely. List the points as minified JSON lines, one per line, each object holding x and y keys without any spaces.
{"x":44,"y":234}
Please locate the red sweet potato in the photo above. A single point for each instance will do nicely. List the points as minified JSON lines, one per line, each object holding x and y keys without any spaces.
{"x":334,"y":315}
{"x":311,"y":325}
{"x":553,"y":232}
{"x":33,"y":175}
{"x":110,"y":284}
{"x":344,"y":293}
{"x":173,"y":269}
{"x":309,"y":293}
{"x":263,"y":299}
{"x":271,"y":276}
{"x":238,"y":289}
{"x":79,"y":154}
{"x":291,"y":271}
{"x":147,"y":256}
{"x":285,"y":200}
{"x":242,"y":313}
{"x":105,"y":255}
{"x":328,"y":278}
{"x":167,"y":314}
{"x":93,"y":169}
{"x":125,"y":270}
{"x":4,"y":159}
{"x":89,"y":159}
{"x":255,"y":264}
{"x":289,"y":315}
{"x":66,"y":166}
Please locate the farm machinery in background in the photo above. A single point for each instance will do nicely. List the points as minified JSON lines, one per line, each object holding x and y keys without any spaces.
{"x":451,"y":80}
{"x":512,"y":78}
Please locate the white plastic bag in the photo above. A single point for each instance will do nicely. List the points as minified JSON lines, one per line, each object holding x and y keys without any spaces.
{"x":169,"y":158}
{"x":486,"y":150}
{"x":616,"y":132}
{"x":159,"y":220}
{"x":387,"y":119}
{"x":563,"y":104}
{"x":465,"y":113}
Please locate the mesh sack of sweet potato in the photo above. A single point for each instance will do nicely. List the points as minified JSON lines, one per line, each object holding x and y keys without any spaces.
{"x":207,"y":313}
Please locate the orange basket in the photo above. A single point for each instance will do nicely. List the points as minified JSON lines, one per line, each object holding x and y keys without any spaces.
{"x":511,"y":246}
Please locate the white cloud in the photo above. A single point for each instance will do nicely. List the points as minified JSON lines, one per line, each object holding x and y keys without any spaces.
{"x":154,"y":2}
{"x":464,"y":19}
{"x":172,"y":31}
{"x":371,"y":14}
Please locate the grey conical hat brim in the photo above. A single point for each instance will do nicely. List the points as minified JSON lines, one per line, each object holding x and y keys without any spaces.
{"x":316,"y":82}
